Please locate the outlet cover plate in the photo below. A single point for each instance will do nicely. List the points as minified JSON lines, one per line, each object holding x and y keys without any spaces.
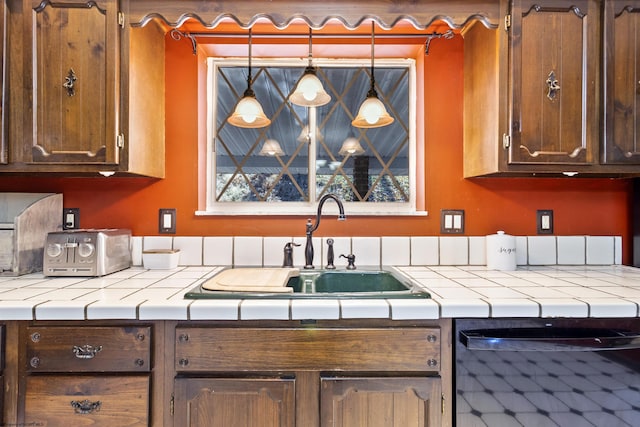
{"x":167,"y":221}
{"x":70,"y":218}
{"x":452,"y":221}
{"x":544,"y":221}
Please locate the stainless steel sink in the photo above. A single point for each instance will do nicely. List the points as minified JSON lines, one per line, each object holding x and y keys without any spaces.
{"x":331,"y":284}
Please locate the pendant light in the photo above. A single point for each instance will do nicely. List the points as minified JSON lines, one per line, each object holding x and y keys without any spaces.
{"x":309,"y":91}
{"x":372,"y":112}
{"x":351,"y":146}
{"x":271,"y":147}
{"x":248,"y":112}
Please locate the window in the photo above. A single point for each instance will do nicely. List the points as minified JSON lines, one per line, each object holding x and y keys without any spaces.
{"x":305,"y":153}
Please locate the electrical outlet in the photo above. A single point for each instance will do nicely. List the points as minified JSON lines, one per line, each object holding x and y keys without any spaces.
{"x":451,"y":221}
{"x":167,"y":221}
{"x":70,"y":218}
{"x":545,"y":221}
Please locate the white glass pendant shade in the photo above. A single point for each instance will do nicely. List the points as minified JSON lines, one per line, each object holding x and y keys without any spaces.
{"x":271,"y":147}
{"x":372,"y":114}
{"x":351,"y":146}
{"x":305,"y":134}
{"x":248,"y":113}
{"x":309,"y":91}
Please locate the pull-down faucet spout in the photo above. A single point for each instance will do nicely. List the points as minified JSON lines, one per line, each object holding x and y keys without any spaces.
{"x":308,"y":252}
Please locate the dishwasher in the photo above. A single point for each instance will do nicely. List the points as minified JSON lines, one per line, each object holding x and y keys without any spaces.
{"x":547,"y":372}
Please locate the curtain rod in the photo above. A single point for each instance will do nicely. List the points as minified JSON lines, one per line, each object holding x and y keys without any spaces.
{"x":178,"y":35}
{"x":305,"y":36}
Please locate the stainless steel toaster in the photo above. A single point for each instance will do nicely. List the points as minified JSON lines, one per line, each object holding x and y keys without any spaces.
{"x":90,"y":252}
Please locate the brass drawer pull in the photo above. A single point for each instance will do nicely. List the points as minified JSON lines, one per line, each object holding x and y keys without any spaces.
{"x":86,"y":351}
{"x":85,"y":406}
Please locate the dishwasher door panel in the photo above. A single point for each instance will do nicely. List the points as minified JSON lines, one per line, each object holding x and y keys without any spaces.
{"x":583,"y":381}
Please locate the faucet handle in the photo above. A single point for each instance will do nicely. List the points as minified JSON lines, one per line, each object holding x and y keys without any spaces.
{"x":288,"y":254}
{"x":351,"y":259}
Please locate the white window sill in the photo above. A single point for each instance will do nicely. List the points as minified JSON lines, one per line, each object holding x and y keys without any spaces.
{"x":306,"y":213}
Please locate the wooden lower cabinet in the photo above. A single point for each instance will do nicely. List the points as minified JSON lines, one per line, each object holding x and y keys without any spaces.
{"x":97,"y":401}
{"x":234,"y":402}
{"x":325,"y":375}
{"x":349,"y":373}
{"x":344,"y":402}
{"x":388,"y":402}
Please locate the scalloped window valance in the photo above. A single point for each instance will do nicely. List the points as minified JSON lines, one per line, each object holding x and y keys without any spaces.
{"x":351,"y":13}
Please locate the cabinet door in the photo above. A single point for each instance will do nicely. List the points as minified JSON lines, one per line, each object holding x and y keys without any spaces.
{"x":4,"y":149}
{"x":622,"y":80}
{"x":554,"y":71}
{"x":381,"y":402}
{"x":75,"y":87}
{"x":234,"y":402}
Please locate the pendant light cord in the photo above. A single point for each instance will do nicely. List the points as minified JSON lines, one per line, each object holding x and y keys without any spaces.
{"x":310,"y":68}
{"x":310,"y":47}
{"x":372,"y":90}
{"x":249,"y":91}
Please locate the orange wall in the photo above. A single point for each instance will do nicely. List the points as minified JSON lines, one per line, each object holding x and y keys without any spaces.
{"x":581,"y":206}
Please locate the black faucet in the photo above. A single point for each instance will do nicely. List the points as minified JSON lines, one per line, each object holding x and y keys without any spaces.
{"x":308,"y":252}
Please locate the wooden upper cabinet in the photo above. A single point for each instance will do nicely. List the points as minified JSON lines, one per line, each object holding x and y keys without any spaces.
{"x":554,"y":72}
{"x":86,"y":90}
{"x":533,"y":92}
{"x":75,"y":90}
{"x":622,"y":82}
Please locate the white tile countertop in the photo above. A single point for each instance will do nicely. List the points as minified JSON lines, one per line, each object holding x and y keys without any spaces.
{"x":457,"y":292}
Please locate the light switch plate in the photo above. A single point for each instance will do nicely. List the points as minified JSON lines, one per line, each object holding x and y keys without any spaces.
{"x":544,"y":221}
{"x":70,"y":218}
{"x":167,"y":221}
{"x":452,"y":221}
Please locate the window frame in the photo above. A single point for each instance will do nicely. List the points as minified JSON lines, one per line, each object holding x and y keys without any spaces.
{"x":213,"y":207}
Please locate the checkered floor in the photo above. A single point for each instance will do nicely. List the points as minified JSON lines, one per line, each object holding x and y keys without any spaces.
{"x":537,"y":389}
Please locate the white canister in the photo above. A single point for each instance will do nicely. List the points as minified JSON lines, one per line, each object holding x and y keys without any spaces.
{"x":501,"y":252}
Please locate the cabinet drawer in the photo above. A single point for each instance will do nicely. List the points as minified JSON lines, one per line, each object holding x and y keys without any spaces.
{"x":239,"y":349}
{"x":88,"y":349}
{"x":87,"y":401}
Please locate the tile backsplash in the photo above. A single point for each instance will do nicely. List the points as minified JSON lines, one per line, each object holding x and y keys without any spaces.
{"x":382,"y":251}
